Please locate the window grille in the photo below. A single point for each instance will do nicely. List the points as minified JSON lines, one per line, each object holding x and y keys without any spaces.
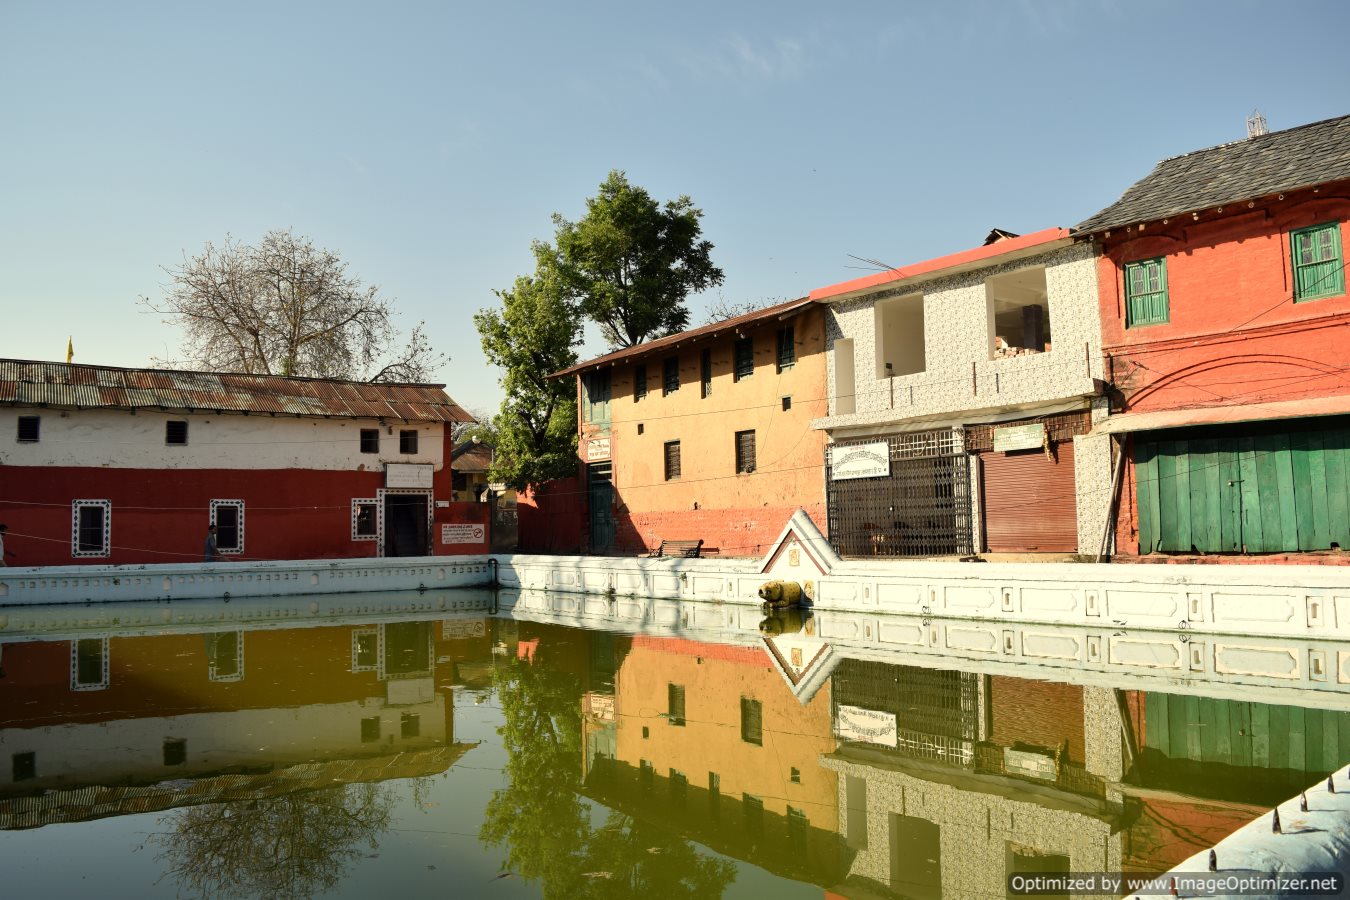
{"x":91,"y":528}
{"x":670,"y":382}
{"x":675,"y":704}
{"x":745,"y":358}
{"x":705,"y":374}
{"x":29,"y":429}
{"x":176,"y":432}
{"x":370,"y":440}
{"x":745,"y":452}
{"x":752,"y":721}
{"x":672,"y":460}
{"x":640,"y":382}
{"x":922,"y":508}
{"x":787,"y":348}
{"x":407,"y":442}
{"x":228,"y":517}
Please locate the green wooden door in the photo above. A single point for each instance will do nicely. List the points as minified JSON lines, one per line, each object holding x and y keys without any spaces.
{"x":1223,"y":491}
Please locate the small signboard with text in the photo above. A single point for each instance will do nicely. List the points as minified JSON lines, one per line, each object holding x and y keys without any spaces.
{"x":853,"y":723}
{"x":597,"y":449}
{"x":861,"y":461}
{"x":470,"y":533}
{"x":1019,"y":437}
{"x":408,"y":475}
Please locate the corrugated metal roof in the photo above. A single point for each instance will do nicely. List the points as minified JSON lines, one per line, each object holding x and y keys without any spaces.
{"x":759,"y":316}
{"x":74,"y":386}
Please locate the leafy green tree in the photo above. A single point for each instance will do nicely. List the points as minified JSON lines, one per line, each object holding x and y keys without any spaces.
{"x":534,"y":334}
{"x":539,"y":817}
{"x":631,"y":262}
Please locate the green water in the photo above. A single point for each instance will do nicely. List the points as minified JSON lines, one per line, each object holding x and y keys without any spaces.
{"x":482,"y":755}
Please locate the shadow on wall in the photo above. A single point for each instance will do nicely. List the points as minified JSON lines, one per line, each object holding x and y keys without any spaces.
{"x":552,"y":517}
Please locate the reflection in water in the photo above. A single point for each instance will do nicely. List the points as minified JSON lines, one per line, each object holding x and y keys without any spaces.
{"x":292,"y":845}
{"x":543,"y":825}
{"x":279,"y":760}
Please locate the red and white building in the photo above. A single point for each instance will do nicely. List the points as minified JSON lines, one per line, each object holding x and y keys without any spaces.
{"x":108,"y":465}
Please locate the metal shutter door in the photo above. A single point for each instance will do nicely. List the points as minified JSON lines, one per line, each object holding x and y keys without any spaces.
{"x":1029,"y":501}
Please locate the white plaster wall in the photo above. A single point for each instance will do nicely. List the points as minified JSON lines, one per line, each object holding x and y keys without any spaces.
{"x":956,"y":326}
{"x":250,"y":737}
{"x":116,"y":439}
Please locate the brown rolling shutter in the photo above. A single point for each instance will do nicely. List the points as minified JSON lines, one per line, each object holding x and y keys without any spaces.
{"x":1029,"y":501}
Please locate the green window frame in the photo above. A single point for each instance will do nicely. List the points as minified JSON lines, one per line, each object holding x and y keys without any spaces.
{"x":1315,"y":253}
{"x":1146,"y":292}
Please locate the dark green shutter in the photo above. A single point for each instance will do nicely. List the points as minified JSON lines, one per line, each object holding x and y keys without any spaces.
{"x":1316,"y":255}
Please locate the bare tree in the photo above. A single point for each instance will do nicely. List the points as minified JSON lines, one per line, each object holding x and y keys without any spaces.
{"x":722,"y":309}
{"x":292,"y":846}
{"x":286,"y":307}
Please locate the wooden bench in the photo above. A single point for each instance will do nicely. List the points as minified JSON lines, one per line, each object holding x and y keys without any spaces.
{"x":688,"y":549}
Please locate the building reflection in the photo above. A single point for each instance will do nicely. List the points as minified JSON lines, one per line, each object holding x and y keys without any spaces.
{"x":94,"y":726}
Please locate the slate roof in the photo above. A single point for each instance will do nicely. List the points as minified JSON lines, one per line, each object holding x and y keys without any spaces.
{"x":74,"y":386}
{"x":1242,"y":170}
{"x":758,"y":317}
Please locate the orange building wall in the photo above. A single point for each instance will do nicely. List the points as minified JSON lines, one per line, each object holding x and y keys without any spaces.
{"x":739,"y":514}
{"x":710,"y":741}
{"x":1234,"y":335}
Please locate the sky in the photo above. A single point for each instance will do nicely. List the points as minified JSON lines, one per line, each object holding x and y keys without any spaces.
{"x":429,"y":144}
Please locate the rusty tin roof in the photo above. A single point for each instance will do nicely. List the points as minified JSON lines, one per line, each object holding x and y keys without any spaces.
{"x":74,"y":386}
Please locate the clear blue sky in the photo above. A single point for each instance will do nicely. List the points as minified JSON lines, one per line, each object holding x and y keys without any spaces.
{"x":429,"y":143}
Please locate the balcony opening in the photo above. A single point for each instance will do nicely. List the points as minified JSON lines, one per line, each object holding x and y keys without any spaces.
{"x":1019,"y":313}
{"x":845,"y":388}
{"x":900,"y":342}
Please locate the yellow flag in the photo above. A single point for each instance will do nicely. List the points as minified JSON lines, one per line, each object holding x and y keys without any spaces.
{"x":70,"y":349}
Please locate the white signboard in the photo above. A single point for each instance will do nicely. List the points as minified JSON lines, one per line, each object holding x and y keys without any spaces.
{"x":861,"y":461}
{"x":462,"y":628}
{"x":597,"y":449}
{"x":407,"y":475}
{"x":856,"y":724}
{"x":463,"y":534}
{"x":1030,"y":765}
{"x":1019,"y":437}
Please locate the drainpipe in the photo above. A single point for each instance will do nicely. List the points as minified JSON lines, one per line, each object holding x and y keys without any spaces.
{"x":1117,"y":473}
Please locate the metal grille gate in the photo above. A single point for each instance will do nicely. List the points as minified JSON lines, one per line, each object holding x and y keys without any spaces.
{"x":938,"y":712}
{"x":922,"y":508}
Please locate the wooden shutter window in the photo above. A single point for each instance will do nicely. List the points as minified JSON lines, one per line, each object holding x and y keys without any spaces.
{"x":672,"y":460}
{"x":1316,"y":253}
{"x":745,"y":452}
{"x":1146,"y":292}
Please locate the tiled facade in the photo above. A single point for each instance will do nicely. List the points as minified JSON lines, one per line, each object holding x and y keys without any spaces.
{"x":956,"y":335}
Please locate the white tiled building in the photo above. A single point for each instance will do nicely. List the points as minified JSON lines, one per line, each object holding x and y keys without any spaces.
{"x":981,"y":373}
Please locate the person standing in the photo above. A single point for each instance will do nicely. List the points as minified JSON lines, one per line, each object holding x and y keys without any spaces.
{"x":3,"y":554}
{"x":210,"y":552}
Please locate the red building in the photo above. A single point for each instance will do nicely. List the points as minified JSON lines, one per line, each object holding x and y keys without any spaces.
{"x":108,"y":465}
{"x":1224,"y":327}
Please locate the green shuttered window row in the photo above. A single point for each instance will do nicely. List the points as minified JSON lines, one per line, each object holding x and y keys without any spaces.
{"x":1146,"y":292}
{"x":1266,"y":493}
{"x":1316,"y":252}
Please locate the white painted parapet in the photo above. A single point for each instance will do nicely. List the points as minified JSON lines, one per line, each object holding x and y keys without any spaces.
{"x":1313,"y":841}
{"x":39,"y":585}
{"x":1186,"y":600}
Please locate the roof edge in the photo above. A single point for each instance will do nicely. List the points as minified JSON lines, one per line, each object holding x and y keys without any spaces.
{"x":932,"y":267}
